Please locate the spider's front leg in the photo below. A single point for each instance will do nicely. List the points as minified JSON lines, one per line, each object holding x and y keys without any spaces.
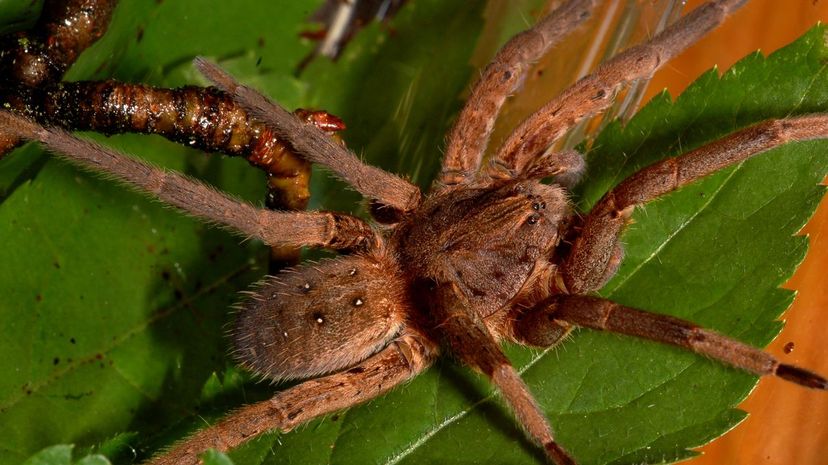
{"x":316,"y":146}
{"x":288,"y":229}
{"x":501,"y":78}
{"x":405,"y":357}
{"x":202,"y":118}
{"x":595,"y":92}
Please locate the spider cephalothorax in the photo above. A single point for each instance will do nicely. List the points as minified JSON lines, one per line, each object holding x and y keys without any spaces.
{"x":488,"y":240}
{"x":488,"y":254}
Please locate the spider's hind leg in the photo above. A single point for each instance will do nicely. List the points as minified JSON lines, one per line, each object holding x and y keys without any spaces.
{"x":405,"y":357}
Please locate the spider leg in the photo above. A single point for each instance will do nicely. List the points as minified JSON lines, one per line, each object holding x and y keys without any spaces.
{"x":472,"y":342}
{"x":502,"y":77}
{"x":602,"y":314}
{"x":290,"y":229}
{"x":594,"y":93}
{"x":593,"y":250}
{"x":407,"y":356}
{"x":315,"y":145}
{"x":565,"y":167}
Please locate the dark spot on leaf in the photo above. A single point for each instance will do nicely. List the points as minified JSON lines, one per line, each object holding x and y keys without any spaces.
{"x":55,"y":361}
{"x":72,"y":340}
{"x":178,"y":294}
{"x":139,"y":34}
{"x":56,"y":265}
{"x":39,"y":298}
{"x":165,"y":275}
{"x":78,"y":396}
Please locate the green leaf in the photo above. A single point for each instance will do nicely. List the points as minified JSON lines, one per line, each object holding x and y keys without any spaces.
{"x":54,"y":455}
{"x":213,"y":457}
{"x":18,"y":15}
{"x":61,"y":454}
{"x":113,"y":306}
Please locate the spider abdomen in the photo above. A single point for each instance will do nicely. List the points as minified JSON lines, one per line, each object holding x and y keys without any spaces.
{"x":319,"y":318}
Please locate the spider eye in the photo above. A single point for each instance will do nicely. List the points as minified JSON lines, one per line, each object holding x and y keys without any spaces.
{"x":539,"y":206}
{"x":533,"y":219}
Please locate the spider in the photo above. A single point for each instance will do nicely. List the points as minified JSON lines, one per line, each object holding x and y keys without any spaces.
{"x":490,"y":254}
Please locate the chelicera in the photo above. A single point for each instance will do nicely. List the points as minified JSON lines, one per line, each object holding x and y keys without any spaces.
{"x":489,"y":254}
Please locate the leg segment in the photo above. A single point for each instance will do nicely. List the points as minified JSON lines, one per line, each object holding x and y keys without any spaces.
{"x":592,"y":252}
{"x":503,"y":76}
{"x":595,"y":92}
{"x":315,"y":145}
{"x":297,"y":229}
{"x":602,"y":314}
{"x":472,"y":342}
{"x":564,"y":167}
{"x":404,"y":358}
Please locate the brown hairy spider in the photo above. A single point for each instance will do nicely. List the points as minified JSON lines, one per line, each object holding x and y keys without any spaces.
{"x":490,"y":254}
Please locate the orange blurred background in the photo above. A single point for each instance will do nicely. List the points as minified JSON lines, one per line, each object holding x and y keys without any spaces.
{"x":787,"y":424}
